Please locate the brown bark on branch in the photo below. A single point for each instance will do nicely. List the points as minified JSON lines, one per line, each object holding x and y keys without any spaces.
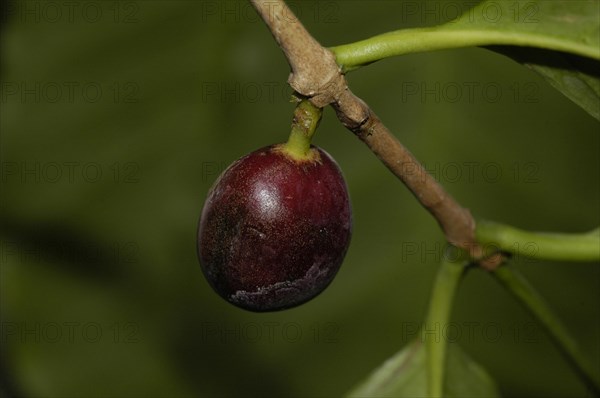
{"x":316,"y":75}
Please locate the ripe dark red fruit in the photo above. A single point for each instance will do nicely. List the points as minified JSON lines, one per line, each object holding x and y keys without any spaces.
{"x":275,"y":228}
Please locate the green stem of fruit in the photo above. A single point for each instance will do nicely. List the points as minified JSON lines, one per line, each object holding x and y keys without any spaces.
{"x":541,"y":245}
{"x":304,"y":125}
{"x":516,"y":283}
{"x":354,"y":55}
{"x":444,"y":289}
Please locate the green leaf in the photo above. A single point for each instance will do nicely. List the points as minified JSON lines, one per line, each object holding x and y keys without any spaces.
{"x":571,"y":29}
{"x":578,"y":78}
{"x":404,"y":375}
{"x":569,"y":26}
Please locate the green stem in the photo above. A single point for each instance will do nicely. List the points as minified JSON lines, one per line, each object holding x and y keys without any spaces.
{"x":516,"y":283}
{"x":541,"y":245}
{"x":304,"y":125}
{"x":354,"y":55}
{"x":440,"y":306}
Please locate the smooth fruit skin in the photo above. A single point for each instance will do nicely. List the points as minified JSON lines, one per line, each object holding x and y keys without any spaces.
{"x":274,"y":230}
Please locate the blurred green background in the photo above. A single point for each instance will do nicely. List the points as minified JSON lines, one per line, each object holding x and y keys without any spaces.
{"x":116,"y":117}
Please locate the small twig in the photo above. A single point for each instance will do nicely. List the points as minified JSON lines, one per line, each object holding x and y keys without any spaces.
{"x":316,"y":75}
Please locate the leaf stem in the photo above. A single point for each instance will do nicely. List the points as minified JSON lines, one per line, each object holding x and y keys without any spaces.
{"x":438,"y":314}
{"x":354,"y":55}
{"x":541,"y":245}
{"x":516,"y":283}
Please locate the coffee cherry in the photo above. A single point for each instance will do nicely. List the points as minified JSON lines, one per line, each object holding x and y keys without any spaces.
{"x":275,"y":228}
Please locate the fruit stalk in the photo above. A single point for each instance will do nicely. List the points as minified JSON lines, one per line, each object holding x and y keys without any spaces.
{"x":304,"y":125}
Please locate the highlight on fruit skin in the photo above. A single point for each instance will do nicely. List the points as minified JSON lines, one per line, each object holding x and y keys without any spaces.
{"x":275,"y":228}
